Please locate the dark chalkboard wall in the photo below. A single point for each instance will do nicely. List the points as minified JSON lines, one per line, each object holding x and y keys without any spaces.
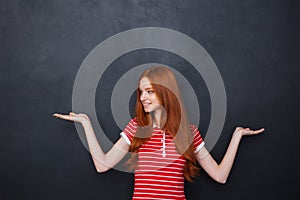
{"x":255,"y":45}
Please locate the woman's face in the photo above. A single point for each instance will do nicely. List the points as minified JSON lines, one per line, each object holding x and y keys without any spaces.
{"x":148,"y":97}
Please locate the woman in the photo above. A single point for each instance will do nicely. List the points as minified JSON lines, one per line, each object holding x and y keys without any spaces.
{"x":165,"y":148}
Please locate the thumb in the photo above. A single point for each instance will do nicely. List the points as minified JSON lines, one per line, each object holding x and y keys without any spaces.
{"x":72,"y":114}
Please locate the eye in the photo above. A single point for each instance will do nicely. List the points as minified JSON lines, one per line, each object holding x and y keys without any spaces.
{"x":150,"y":91}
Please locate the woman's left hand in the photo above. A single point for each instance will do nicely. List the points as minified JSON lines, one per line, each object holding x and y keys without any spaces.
{"x":247,"y":131}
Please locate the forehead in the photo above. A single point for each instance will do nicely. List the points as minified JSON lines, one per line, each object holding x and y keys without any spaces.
{"x":144,"y":83}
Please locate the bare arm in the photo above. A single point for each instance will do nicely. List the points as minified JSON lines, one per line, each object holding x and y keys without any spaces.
{"x":220,"y":172}
{"x":102,"y":161}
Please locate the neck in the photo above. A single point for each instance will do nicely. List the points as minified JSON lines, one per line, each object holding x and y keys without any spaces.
{"x":157,"y":117}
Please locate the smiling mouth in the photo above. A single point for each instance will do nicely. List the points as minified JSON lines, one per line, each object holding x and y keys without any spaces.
{"x":146,"y":104}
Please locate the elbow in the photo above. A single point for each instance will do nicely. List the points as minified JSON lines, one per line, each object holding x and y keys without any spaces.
{"x":101,"y":169}
{"x":221,"y":180}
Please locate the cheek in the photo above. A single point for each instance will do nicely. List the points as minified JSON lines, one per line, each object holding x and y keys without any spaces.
{"x":155,"y":100}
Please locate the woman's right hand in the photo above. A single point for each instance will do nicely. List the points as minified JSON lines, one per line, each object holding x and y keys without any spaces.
{"x":80,"y":117}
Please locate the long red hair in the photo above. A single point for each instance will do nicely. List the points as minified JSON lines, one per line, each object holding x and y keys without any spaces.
{"x":173,"y":120}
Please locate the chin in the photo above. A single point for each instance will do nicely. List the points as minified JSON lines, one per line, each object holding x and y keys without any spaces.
{"x":148,"y":110}
{"x":151,"y":108}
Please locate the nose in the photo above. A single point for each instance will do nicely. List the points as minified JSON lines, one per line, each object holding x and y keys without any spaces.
{"x":143,"y":96}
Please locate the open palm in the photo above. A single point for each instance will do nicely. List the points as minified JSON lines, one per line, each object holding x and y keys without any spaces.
{"x":80,"y":117}
{"x":247,"y":131}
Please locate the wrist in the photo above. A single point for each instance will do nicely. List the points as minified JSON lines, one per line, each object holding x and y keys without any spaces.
{"x":85,"y":121}
{"x":237,"y":135}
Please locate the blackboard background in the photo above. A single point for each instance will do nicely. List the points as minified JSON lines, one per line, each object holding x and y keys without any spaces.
{"x":255,"y":45}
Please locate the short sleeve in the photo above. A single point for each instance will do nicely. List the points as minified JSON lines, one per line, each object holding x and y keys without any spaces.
{"x":129,"y":131}
{"x":198,"y":140}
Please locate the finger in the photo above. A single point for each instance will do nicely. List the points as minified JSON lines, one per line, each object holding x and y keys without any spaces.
{"x":56,"y":115}
{"x":66,"y":117}
{"x":258,"y":131}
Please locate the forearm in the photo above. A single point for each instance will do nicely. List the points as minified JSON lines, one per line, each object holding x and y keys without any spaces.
{"x":98,"y":156}
{"x":225,"y":166}
{"x":100,"y":159}
{"x":220,"y":172}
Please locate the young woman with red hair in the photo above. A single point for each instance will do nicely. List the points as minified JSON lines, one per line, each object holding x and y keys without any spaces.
{"x":165,"y":148}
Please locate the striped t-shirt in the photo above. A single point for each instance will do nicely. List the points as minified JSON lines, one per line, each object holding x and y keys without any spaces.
{"x":159,"y":172}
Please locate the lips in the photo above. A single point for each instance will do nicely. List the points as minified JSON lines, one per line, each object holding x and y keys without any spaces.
{"x":146,"y":104}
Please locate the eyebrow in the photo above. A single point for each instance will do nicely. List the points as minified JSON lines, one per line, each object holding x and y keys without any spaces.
{"x":147,"y":88}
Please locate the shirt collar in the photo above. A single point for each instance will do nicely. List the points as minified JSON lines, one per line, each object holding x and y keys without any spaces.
{"x":154,"y":125}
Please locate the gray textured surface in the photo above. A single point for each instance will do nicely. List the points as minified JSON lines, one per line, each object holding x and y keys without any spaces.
{"x":255,"y":45}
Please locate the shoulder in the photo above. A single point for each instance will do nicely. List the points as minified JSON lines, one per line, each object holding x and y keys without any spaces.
{"x":194,"y":129}
{"x":134,"y":121}
{"x":132,"y":124}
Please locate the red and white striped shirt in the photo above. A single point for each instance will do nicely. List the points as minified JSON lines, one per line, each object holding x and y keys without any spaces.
{"x":159,"y":173}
